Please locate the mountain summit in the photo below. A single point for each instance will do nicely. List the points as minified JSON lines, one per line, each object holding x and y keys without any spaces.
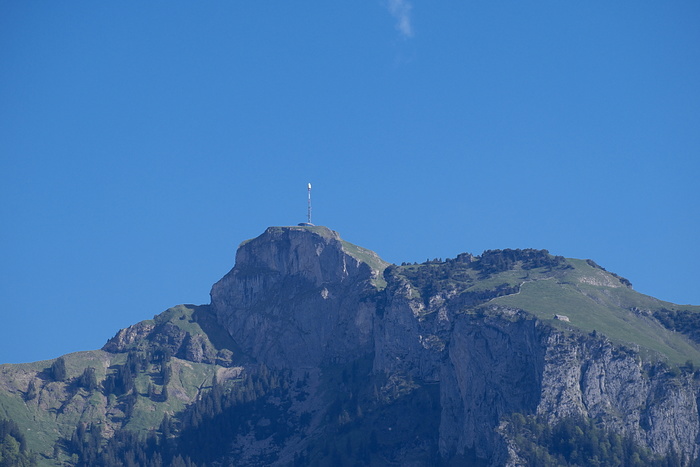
{"x":315,"y":351}
{"x":295,"y":297}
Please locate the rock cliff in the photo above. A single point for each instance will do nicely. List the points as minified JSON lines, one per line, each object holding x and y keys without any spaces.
{"x":315,"y":350}
{"x":297,"y":298}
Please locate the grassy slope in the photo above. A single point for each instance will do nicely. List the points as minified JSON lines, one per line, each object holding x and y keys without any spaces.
{"x":370,"y":258}
{"x":592,"y":299}
{"x":53,"y":413}
{"x":61,"y":406}
{"x":595,"y":300}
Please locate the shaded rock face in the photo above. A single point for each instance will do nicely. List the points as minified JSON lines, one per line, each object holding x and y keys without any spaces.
{"x":434,"y":373}
{"x":493,"y":368}
{"x":296,"y":299}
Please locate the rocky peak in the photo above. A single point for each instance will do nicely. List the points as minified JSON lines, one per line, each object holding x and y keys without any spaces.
{"x":314,"y":253}
{"x":283,"y":301}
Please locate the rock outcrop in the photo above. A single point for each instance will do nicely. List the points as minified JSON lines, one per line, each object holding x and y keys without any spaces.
{"x":298,"y":299}
{"x":594,"y":378}
{"x":325,"y":347}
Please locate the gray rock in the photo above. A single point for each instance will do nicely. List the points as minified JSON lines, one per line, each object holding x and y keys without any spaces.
{"x":295,"y":299}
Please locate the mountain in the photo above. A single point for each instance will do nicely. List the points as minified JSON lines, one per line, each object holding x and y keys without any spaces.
{"x":315,"y":351}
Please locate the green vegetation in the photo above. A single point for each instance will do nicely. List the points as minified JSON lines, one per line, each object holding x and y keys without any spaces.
{"x":495,"y":261}
{"x":13,"y":446}
{"x":201,"y":433}
{"x":577,"y":441}
{"x":130,"y":388}
{"x":367,"y":416}
{"x":58,"y":369}
{"x":544,"y":285}
{"x":188,"y":332}
{"x":40,"y":405}
{"x":365,"y":424}
{"x":686,"y":321}
{"x":153,"y":396}
{"x":622,"y":280}
{"x":370,"y":258}
{"x":475,"y":279}
{"x":87,"y":380}
{"x":594,"y":300}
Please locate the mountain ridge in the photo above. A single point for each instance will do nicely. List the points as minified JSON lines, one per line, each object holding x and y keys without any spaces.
{"x":351,"y":341}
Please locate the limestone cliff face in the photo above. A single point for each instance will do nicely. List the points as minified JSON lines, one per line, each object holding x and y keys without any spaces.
{"x":592,"y":377}
{"x":487,"y":367}
{"x":493,"y":365}
{"x":296,"y":298}
{"x":493,"y":368}
{"x":426,"y":363}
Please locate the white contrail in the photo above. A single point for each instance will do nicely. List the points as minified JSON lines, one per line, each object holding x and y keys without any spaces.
{"x":401,"y":11}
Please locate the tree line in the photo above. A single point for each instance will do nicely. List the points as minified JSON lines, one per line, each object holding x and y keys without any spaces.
{"x":579,"y":441}
{"x":13,"y":446}
{"x":683,"y":321}
{"x":199,"y":436}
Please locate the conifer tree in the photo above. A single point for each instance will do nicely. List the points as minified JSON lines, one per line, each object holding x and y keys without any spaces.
{"x":58,"y":369}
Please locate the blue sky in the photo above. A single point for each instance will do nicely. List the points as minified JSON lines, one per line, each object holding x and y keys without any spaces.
{"x":141,"y":142}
